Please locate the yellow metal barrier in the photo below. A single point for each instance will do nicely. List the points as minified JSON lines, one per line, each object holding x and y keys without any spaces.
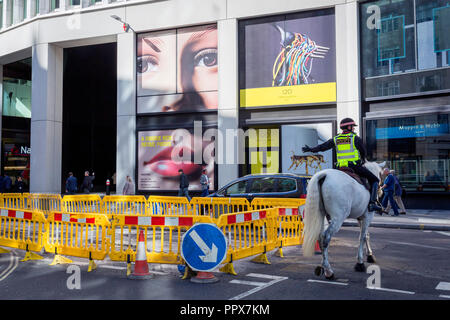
{"x":262,"y":203}
{"x":15,"y":200}
{"x":168,"y":205}
{"x":162,"y":236}
{"x":45,"y":203}
{"x":82,"y":203}
{"x":78,"y":234}
{"x":249,"y":233}
{"x":22,"y":230}
{"x":120,"y":205}
{"x":215,"y":207}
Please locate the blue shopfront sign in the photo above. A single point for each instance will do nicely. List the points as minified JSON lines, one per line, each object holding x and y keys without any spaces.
{"x":412,"y":131}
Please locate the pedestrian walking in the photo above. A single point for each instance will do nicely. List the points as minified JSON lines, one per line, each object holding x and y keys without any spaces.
{"x":7,"y":184}
{"x":184,"y":185}
{"x":128,"y":188}
{"x":398,"y":191}
{"x":87,"y":186}
{"x":19,"y":186}
{"x":71,"y":184}
{"x":388,"y":187}
{"x":204,"y":181}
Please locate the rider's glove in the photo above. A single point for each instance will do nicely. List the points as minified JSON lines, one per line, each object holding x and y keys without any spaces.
{"x":306,"y":148}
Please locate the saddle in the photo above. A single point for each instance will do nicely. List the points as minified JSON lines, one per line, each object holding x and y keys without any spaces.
{"x":362,"y":181}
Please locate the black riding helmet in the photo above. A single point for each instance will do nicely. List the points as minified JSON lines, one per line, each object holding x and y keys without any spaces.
{"x":346,"y":122}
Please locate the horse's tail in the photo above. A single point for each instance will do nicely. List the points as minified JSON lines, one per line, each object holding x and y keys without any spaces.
{"x":314,"y":213}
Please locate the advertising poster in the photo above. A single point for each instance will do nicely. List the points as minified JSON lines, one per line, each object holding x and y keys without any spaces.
{"x":177,"y":70}
{"x":288,"y":60}
{"x":294,"y":137}
{"x":161,"y":153}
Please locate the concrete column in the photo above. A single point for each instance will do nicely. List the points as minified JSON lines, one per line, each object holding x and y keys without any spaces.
{"x":347,"y":63}
{"x":1,"y":107}
{"x":228,"y":111}
{"x":126,"y":109}
{"x":46,"y":118}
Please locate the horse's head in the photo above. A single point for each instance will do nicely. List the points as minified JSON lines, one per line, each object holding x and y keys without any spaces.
{"x":375,"y":168}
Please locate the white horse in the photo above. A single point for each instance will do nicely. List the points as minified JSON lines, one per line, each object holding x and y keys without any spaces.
{"x":334,"y":193}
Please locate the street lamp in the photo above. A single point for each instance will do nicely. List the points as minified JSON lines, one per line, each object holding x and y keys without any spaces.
{"x":126,"y":26}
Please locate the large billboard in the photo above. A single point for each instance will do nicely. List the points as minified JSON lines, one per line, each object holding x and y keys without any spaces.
{"x":161,"y":153}
{"x":177,"y":70}
{"x":294,"y":137}
{"x":288,"y":60}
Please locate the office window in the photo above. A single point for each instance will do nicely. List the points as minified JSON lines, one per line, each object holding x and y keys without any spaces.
{"x":54,"y":4}
{"x":408,"y":38}
{"x":1,"y":14}
{"x":75,"y":2}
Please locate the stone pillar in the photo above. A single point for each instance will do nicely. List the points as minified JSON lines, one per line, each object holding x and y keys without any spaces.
{"x":46,"y":118}
{"x":1,"y":108}
{"x":228,"y":111}
{"x":347,"y":63}
{"x":126,"y":109}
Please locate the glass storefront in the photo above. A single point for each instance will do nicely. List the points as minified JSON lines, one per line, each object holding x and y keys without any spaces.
{"x":405,"y":46}
{"x":417,"y":147}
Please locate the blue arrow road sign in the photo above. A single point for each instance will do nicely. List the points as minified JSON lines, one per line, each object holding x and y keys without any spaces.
{"x":203,"y":247}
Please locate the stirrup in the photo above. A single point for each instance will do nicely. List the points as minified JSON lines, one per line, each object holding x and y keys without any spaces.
{"x":374,"y":207}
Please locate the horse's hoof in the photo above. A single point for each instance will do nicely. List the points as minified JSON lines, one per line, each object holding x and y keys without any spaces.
{"x":318,"y":271}
{"x":360,"y":267}
{"x":371,"y":259}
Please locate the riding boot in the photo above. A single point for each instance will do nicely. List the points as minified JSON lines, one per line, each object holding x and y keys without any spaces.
{"x":373,"y":198}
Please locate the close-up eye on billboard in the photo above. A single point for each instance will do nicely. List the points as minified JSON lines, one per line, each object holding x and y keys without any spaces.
{"x":288,"y":60}
{"x":177,"y":70}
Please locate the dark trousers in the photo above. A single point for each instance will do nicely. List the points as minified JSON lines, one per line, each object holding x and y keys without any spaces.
{"x":205,"y":192}
{"x":184,"y":192}
{"x":389,"y":195}
{"x":363,"y":172}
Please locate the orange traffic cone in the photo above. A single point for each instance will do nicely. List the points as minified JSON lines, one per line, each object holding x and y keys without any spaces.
{"x":317,"y":248}
{"x":141,"y":265}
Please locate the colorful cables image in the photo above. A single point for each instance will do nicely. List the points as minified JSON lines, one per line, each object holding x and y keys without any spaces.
{"x":293,"y":64}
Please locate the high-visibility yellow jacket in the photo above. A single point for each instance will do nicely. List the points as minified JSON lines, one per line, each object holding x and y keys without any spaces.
{"x":346,"y":150}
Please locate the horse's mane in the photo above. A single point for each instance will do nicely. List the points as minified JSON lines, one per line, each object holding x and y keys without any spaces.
{"x":374,"y":167}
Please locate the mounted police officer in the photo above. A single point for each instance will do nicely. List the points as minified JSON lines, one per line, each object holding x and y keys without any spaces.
{"x":350,"y":152}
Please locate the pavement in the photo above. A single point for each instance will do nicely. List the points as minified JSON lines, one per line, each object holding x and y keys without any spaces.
{"x":419,"y":219}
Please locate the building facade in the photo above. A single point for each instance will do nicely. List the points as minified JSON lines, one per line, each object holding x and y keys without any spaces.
{"x":233,"y":87}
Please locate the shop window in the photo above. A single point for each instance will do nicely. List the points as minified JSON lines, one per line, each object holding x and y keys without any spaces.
{"x":416,"y":147}
{"x":263,"y":151}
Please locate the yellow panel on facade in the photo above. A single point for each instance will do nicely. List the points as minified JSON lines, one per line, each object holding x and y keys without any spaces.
{"x":288,"y":95}
{"x":257,"y":161}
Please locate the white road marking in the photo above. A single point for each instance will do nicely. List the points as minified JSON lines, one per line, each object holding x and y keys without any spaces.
{"x":249,"y":283}
{"x":259,"y":285}
{"x":391,"y":290}
{"x":443,"y":233}
{"x":443,"y":286}
{"x":429,"y":220}
{"x":13,"y":264}
{"x":328,"y":282}
{"x":419,"y":245}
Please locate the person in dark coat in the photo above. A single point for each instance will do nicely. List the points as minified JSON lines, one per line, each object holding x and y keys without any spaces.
{"x":19,"y":186}
{"x":7,"y":183}
{"x":71,"y":184}
{"x":87,"y":184}
{"x":184,"y":185}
